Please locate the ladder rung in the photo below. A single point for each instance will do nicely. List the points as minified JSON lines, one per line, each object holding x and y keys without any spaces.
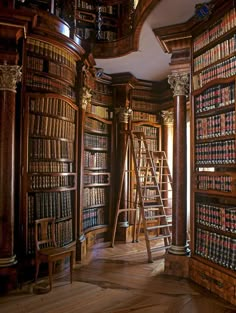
{"x":159,"y":237}
{"x":154,"y":217}
{"x":158,"y":227}
{"x":152,"y":206}
{"x":155,"y":249}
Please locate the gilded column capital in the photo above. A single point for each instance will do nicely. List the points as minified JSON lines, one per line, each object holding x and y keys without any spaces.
{"x":10,"y":75}
{"x":179,"y":82}
{"x":168,"y":117}
{"x":124,"y":114}
{"x":86,"y":97}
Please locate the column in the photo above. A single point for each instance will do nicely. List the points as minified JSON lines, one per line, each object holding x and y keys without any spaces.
{"x":167,"y":146}
{"x":179,"y":82}
{"x":124,"y":114}
{"x":177,"y":260}
{"x":9,"y":76}
{"x":85,"y":101}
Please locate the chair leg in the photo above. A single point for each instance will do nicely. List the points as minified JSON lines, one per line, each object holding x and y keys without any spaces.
{"x":37,"y":263}
{"x":50,"y":265}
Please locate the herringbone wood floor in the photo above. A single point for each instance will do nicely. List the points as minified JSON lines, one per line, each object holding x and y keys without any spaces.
{"x":116,"y":280}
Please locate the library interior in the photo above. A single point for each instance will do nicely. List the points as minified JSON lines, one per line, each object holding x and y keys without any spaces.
{"x":117,"y":156}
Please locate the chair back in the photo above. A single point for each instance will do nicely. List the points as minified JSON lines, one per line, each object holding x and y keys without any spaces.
{"x":45,"y":233}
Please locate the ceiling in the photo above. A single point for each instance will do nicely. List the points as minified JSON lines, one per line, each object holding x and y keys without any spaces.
{"x":150,"y":62}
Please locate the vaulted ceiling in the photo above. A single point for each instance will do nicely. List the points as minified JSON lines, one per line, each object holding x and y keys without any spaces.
{"x":150,"y":62}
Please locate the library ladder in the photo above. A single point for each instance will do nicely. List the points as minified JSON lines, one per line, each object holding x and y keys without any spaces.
{"x":148,"y":205}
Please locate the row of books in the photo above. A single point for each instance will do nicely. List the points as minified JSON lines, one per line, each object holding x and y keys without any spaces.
{"x":50,"y":149}
{"x":86,"y":17}
{"x":152,"y":145}
{"x":86,"y":5}
{"x":38,"y":182}
{"x":216,"y":125}
{"x":50,"y":85}
{"x":148,"y":131}
{"x":49,"y":204}
{"x":143,"y":116}
{"x":215,"y":97}
{"x":100,"y":111}
{"x":61,"y":71}
{"x":96,"y":125}
{"x":219,"y":152}
{"x":95,"y":159}
{"x":142,"y":105}
{"x":93,"y":217}
{"x":103,"y":88}
{"x":107,"y":35}
{"x":96,"y":141}
{"x":220,"y":217}
{"x":41,"y":125}
{"x":219,"y":249}
{"x":103,"y":98}
{"x":50,"y":167}
{"x":85,"y":32}
{"x":49,"y":67}
{"x":52,"y":106}
{"x":50,"y":51}
{"x":63,"y":234}
{"x":225,"y":24}
{"x":214,"y":54}
{"x":223,"y":69}
{"x":96,"y":178}
{"x":94,"y":196}
{"x":221,"y":183}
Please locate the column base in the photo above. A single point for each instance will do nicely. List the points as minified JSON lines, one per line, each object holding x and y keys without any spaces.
{"x":179,"y":250}
{"x":177,"y":265}
{"x":124,"y":224}
{"x":6,"y":262}
{"x":81,"y":248}
{"x":8,"y":278}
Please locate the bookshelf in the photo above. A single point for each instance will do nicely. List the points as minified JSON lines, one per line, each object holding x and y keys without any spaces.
{"x":97,"y":162}
{"x":213,"y":163}
{"x":49,"y":180}
{"x":144,"y":119}
{"x":97,"y":21}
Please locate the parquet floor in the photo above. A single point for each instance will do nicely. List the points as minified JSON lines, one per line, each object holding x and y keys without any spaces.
{"x":116,"y":280}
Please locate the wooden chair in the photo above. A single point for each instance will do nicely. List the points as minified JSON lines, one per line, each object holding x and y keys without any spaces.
{"x":46,"y":248}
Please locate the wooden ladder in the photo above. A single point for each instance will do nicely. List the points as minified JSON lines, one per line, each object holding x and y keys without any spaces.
{"x":148,"y":205}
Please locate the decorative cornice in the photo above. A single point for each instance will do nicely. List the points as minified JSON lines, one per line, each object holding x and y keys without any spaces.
{"x":86,"y":97}
{"x":10,"y":75}
{"x":168,"y":117}
{"x":124,"y":114}
{"x":179,"y":82}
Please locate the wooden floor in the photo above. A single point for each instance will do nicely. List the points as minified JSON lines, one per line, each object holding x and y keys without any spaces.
{"x":116,"y":280}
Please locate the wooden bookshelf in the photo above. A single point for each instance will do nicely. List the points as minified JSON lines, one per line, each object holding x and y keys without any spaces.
{"x":49,"y":181}
{"x":96,"y":186}
{"x":213,"y":161}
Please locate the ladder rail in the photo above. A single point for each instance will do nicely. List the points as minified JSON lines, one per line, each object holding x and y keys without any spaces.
{"x":148,"y":202}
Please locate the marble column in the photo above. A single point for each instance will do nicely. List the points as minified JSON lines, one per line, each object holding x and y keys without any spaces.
{"x":179,"y":82}
{"x":9,"y":76}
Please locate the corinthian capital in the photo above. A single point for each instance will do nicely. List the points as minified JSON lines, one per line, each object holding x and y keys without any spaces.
{"x":168,"y":117}
{"x":124,"y":114}
{"x":179,"y":82}
{"x":10,"y":75}
{"x":86,"y":97}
